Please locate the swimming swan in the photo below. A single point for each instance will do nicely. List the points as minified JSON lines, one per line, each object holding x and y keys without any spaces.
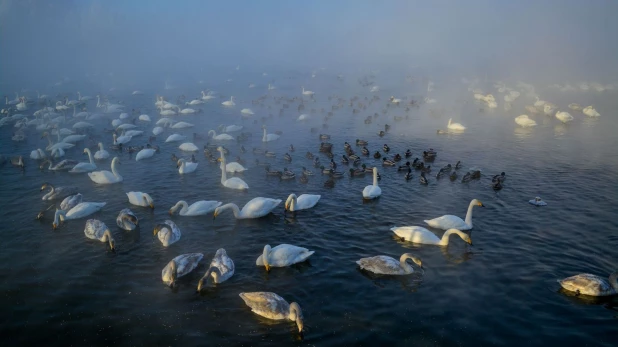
{"x":592,"y":285}
{"x":372,"y":191}
{"x":127,"y":220}
{"x":106,"y":177}
{"x":57,"y":192}
{"x":268,"y":137}
{"x":97,"y":230}
{"x":81,"y":210}
{"x":234,"y":182}
{"x":303,"y":202}
{"x":168,"y":233}
{"x":198,"y":208}
{"x":185,"y":167}
{"x":180,"y":266}
{"x":220,"y":137}
{"x":221,"y":269}
{"x":455,"y":126}
{"x":421,"y":235}
{"x":282,"y":256}
{"x":255,"y":208}
{"x":140,"y":199}
{"x":453,"y":222}
{"x":85,"y":167}
{"x":272,"y":306}
{"x":385,"y":265}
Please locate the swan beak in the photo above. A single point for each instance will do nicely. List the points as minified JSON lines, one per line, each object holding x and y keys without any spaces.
{"x":152,"y":206}
{"x":481,"y":204}
{"x":470,"y":242}
{"x":267,"y":268}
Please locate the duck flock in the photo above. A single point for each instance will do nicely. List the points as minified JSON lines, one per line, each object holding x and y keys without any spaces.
{"x":75,"y":125}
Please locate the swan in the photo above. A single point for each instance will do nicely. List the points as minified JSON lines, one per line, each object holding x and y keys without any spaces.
{"x":593,"y":285}
{"x":65,"y":164}
{"x":208,"y":96}
{"x":194,"y":102}
{"x":186,"y":111}
{"x":575,"y":107}
{"x":564,"y":117}
{"x":221,"y":137}
{"x":83,"y":98}
{"x":247,"y":112}
{"x":549,"y":108}
{"x":591,"y":112}
{"x":58,"y":145}
{"x":157,"y":130}
{"x":233,"y":182}
{"x":37,"y":154}
{"x":116,"y":123}
{"x":455,"y":126}
{"x":229,"y":102}
{"x":168,"y":233}
{"x":385,"y":265}
{"x":101,"y":154}
{"x":230,"y":167}
{"x":525,"y":121}
{"x":282,"y":256}
{"x":230,"y":128}
{"x":71,"y":201}
{"x":184,"y":167}
{"x":106,"y":177}
{"x":137,"y":92}
{"x":145,"y":154}
{"x":188,"y":147}
{"x":182,"y":125}
{"x":85,"y":167}
{"x":97,"y":230}
{"x":271,"y":87}
{"x":127,"y":220}
{"x":221,"y":269}
{"x":539,"y":103}
{"x":394,"y":100}
{"x":180,"y":266}
{"x":272,"y":306}
{"x":303,"y":202}
{"x":140,"y":199}
{"x":372,"y":191}
{"x":121,"y":140}
{"x":303,"y":117}
{"x":73,"y":138}
{"x":307,"y":92}
{"x":421,"y":235}
{"x":166,"y":113}
{"x":198,"y":208}
{"x":132,"y":133}
{"x":144,"y":118}
{"x":255,"y":208}
{"x":57,"y":192}
{"x":175,"y":138}
{"x":268,"y":137}
{"x":449,"y":221}
{"x":81,"y":210}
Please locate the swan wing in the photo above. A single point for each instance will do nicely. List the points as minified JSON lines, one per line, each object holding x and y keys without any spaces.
{"x":285,"y":255}
{"x":224,"y":263}
{"x":448,"y":221}
{"x":102,"y":177}
{"x":185,"y":263}
{"x":259,"y":207}
{"x":306,"y":201}
{"x":236,"y":183}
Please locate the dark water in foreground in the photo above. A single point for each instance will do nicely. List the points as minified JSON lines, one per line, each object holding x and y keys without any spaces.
{"x":59,"y":288}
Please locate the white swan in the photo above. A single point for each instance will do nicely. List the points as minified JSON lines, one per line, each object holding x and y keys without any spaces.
{"x":272,"y":306}
{"x":127,"y":220}
{"x":145,"y":154}
{"x":385,"y":265}
{"x":144,"y":118}
{"x":57,"y":192}
{"x":564,"y":117}
{"x":198,"y":208}
{"x":575,"y":107}
{"x":71,"y":201}
{"x":37,"y":154}
{"x":140,"y":199}
{"x":81,"y":210}
{"x":255,"y":208}
{"x":233,"y":182}
{"x":180,"y":266}
{"x":591,"y":112}
{"x":188,"y":147}
{"x":157,"y":130}
{"x":230,"y":167}
{"x":182,"y":125}
{"x":229,"y":102}
{"x":230,"y":128}
{"x":221,"y":269}
{"x":208,"y":96}
{"x":303,"y":202}
{"x":168,"y":233}
{"x":101,"y":154}
{"x":455,"y":126}
{"x":449,"y":221}
{"x":121,"y":140}
{"x":307,"y":92}
{"x":246,"y":112}
{"x":85,"y":167}
{"x":282,"y":256}
{"x":372,"y":191}
{"x":268,"y":137}
{"x":220,"y":137}
{"x":525,"y":121}
{"x":185,"y":167}
{"x":175,"y":138}
{"x":97,"y":230}
{"x":421,"y":235}
{"x":303,"y":117}
{"x":106,"y":177}
{"x":592,"y":285}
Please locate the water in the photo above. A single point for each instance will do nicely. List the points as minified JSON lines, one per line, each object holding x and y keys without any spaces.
{"x":60,"y":288}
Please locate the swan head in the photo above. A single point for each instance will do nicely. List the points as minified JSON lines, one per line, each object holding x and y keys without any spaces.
{"x":478,"y":203}
{"x":415,"y":259}
{"x":45,"y":185}
{"x":290,"y":202}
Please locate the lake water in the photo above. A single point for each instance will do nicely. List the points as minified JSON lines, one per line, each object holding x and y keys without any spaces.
{"x":60,"y":288}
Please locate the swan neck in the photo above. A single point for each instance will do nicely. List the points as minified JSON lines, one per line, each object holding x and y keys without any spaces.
{"x":264,"y":137}
{"x":265,"y":255}
{"x":447,"y":234}
{"x":89,"y":155}
{"x":469,"y":213}
{"x":184,"y":205}
{"x":375,"y":176}
{"x":404,"y":264}
{"x":114,"y":169}
{"x":233,"y":207}
{"x":223,"y":173}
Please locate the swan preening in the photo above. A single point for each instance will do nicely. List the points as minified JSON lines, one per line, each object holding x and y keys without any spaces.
{"x":272,"y":306}
{"x":385,"y":265}
{"x":282,"y":256}
{"x":453,"y":222}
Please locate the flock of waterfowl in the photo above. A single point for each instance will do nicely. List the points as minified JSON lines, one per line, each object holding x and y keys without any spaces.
{"x":49,"y":120}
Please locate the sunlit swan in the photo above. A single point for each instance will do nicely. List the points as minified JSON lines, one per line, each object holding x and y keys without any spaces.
{"x":372,"y":191}
{"x":421,"y":235}
{"x":140,"y":199}
{"x":525,"y":121}
{"x":188,"y":147}
{"x":282,"y":256}
{"x":127,"y":220}
{"x":303,"y":202}
{"x":453,"y":222}
{"x":57,"y":192}
{"x":97,"y":230}
{"x":255,"y":208}
{"x":82,"y":210}
{"x":106,"y":177}
{"x":272,"y":306}
{"x":307,"y":92}
{"x":185,"y":167}
{"x":198,"y":208}
{"x":455,"y":126}
{"x":269,"y":137}
{"x":230,"y":167}
{"x":229,"y":102}
{"x":145,"y":154}
{"x":220,"y":137}
{"x":233,"y":182}
{"x":591,"y":112}
{"x":564,"y":117}
{"x":175,"y":138}
{"x":167,"y":232}
{"x":71,"y":201}
{"x":85,"y":167}
{"x":101,"y":154}
{"x":180,"y":266}
{"x":385,"y":265}
{"x":221,"y":269}
{"x":246,"y":112}
{"x":230,"y":128}
{"x":592,"y":285}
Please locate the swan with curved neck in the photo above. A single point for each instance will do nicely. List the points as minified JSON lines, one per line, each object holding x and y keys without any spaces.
{"x":282,"y":256}
{"x":272,"y":306}
{"x":303,"y":202}
{"x":421,"y":235}
{"x":85,"y":167}
{"x":221,"y":269}
{"x":255,"y":208}
{"x":97,"y":230}
{"x":385,"y":265}
{"x":106,"y":177}
{"x":453,"y":222}
{"x":198,"y":208}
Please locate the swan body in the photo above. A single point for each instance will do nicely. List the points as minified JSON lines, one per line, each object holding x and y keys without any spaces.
{"x":81,"y":210}
{"x":230,"y":167}
{"x":168,"y":233}
{"x":307,"y":92}
{"x":246,"y":111}
{"x":303,"y":117}
{"x":37,"y":154}
{"x":591,"y":112}
{"x":70,"y":201}
{"x":372,"y":191}
{"x":198,"y":208}
{"x":106,"y":177}
{"x":220,"y":137}
{"x":133,"y":133}
{"x":145,"y":154}
{"x":180,"y":266}
{"x":85,"y":167}
{"x":97,"y":230}
{"x":188,"y":147}
{"x":453,"y":222}
{"x":421,"y":235}
{"x":144,"y":118}
{"x":303,"y":202}
{"x":269,"y":137}
{"x":564,"y":117}
{"x":229,"y":102}
{"x":73,"y":138}
{"x":455,"y":126}
{"x":101,"y":154}
{"x":385,"y":265}
{"x":282,"y":256}
{"x":185,"y":167}
{"x":175,"y":138}
{"x":272,"y":306}
{"x":592,"y":285}
{"x":140,"y":199}
{"x":127,"y":220}
{"x":121,"y":140}
{"x":221,"y":269}
{"x":525,"y":121}
{"x":255,"y":208}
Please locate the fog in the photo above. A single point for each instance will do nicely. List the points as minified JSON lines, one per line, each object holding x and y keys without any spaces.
{"x":550,"y":41}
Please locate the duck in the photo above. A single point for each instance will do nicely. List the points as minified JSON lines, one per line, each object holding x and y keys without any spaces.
{"x":97,"y":230}
{"x":408,"y":175}
{"x":458,"y":165}
{"x":287,"y":174}
{"x":221,"y":269}
{"x":106,"y":177}
{"x":365,"y":151}
{"x":329,"y":183}
{"x":167,"y":232}
{"x":429,"y":155}
{"x":127,"y":220}
{"x":408,"y":153}
{"x":101,"y":154}
{"x":344,"y":159}
{"x":140,"y":199}
{"x":386,"y":148}
{"x":425,"y":169}
{"x":381,"y":133}
{"x":397,"y":157}
{"x":282,"y":256}
{"x":421,"y":235}
{"x":307,"y":172}
{"x":591,"y":285}
{"x":198,"y":208}
{"x":180,"y":266}
{"x":423,"y":179}
{"x":336,"y":174}
{"x":497,"y":185}
{"x":453,"y":222}
{"x":377,"y":155}
{"x":361,"y":142}
{"x":357,"y":172}
{"x":388,"y":162}
{"x":316,"y":162}
{"x":499,"y":178}
{"x":385,"y":265}
{"x":404,"y":167}
{"x":71,"y":201}
{"x":303,"y":179}
{"x":185,"y":167}
{"x":291,"y":148}
{"x":255,"y":208}
{"x":57,"y":192}
{"x":455,"y":126}
{"x":270,"y":172}
{"x":287,"y":157}
{"x":272,"y":306}
{"x":372,"y":191}
{"x":81,"y":210}
{"x":326,"y":171}
{"x":442,"y":173}
{"x":324,"y":137}
{"x":309,"y":155}
{"x":453,"y":176}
